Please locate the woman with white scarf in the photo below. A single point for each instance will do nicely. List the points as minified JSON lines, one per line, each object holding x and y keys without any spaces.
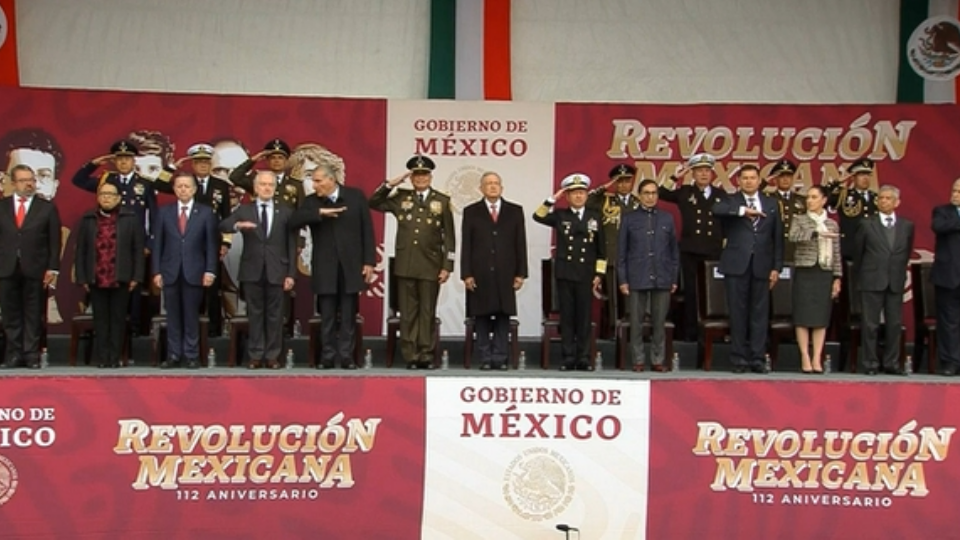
{"x":816,"y":276}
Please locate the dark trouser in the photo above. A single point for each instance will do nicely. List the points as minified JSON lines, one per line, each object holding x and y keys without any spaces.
{"x":265,"y":313}
{"x":183,"y":319}
{"x":748,"y":299}
{"x":575,"y":299}
{"x":338,"y":326}
{"x":656,"y":302}
{"x":418,"y":308}
{"x":492,"y":350}
{"x":109,"y":321}
{"x":611,"y":290}
{"x":689,"y":267}
{"x":214,"y":311}
{"x":136,"y":299}
{"x":891,"y":305}
{"x":948,"y":327}
{"x":22,"y":303}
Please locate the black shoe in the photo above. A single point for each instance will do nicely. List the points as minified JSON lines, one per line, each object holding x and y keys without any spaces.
{"x":948,"y":371}
{"x":170,"y":363}
{"x":193,"y":363}
{"x":322,"y":365}
{"x":760,"y":369}
{"x":568,"y":367}
{"x":411,"y":365}
{"x":427,"y":365}
{"x":503,"y":366}
{"x":34,"y":365}
{"x":870,"y":371}
{"x":739,"y":369}
{"x":894,"y":371}
{"x":350,"y":365}
{"x":584,"y":366}
{"x":486,"y":366}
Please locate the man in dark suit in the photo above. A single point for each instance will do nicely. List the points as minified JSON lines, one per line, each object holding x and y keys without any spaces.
{"x":750,"y":263}
{"x":425,"y":243}
{"x":183,"y":262}
{"x":30,"y":240}
{"x":700,"y":237}
{"x":613,"y":205}
{"x":215,"y":193}
{"x":268,"y":265}
{"x":344,"y":255}
{"x":853,"y":203}
{"x":109,"y":263}
{"x":945,"y":276}
{"x":493,"y":265}
{"x":882,"y":249}
{"x":579,"y":265}
{"x":136,"y":193}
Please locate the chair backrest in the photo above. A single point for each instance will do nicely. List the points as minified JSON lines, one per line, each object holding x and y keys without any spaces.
{"x":548,"y":290}
{"x":924,"y":292}
{"x":850,"y":292}
{"x":393,"y":305}
{"x":713,"y":296}
{"x":781,"y":298}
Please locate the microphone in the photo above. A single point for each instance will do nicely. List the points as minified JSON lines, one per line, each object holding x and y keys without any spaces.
{"x":563,"y":527}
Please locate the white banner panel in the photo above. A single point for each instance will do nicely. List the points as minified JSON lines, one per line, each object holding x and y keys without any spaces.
{"x":465,"y":139}
{"x":514,"y":458}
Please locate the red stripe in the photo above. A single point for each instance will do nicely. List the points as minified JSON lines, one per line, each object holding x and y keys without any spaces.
{"x":496,"y":50}
{"x":9,"y":71}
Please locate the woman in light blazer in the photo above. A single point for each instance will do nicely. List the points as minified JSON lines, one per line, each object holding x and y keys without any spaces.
{"x":818,"y":268}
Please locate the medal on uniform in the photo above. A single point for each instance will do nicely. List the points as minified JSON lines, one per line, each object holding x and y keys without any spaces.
{"x":592,"y":225}
{"x":436,"y":207}
{"x":138,"y":189}
{"x":406,"y":204}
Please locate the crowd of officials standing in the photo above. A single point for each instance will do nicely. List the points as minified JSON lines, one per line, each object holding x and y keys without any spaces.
{"x":613,"y":240}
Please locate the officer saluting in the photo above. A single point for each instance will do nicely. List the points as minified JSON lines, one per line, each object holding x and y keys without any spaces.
{"x":853,"y":204}
{"x":612,"y":205}
{"x":790,"y":201}
{"x":276,"y":151}
{"x":136,"y":193}
{"x":425,"y":250}
{"x":701,"y":238}
{"x":579,"y":264}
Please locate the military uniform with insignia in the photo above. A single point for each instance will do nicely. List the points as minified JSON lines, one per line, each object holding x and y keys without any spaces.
{"x":136,"y":193}
{"x":853,"y":204}
{"x":701,"y":237}
{"x":790,"y":201}
{"x":612,"y":205}
{"x":425,"y":251}
{"x":579,"y":265}
{"x":289,"y":189}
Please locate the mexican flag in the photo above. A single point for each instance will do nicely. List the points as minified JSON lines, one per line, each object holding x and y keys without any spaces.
{"x":470,"y":49}
{"x":929,"y":51}
{"x":9,"y":69}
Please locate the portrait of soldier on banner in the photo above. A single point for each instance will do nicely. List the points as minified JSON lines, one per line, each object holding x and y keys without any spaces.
{"x":39,"y":150}
{"x":155,"y":151}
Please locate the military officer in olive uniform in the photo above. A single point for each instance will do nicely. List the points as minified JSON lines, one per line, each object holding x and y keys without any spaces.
{"x":425,"y":250}
{"x":790,"y":201}
{"x":215,"y":193}
{"x":612,"y":205}
{"x":579,"y":264}
{"x":853,"y":204}
{"x":701,"y":237}
{"x":136,"y":193}
{"x":289,"y":189}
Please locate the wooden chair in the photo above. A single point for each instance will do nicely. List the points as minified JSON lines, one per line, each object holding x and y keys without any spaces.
{"x":314,"y":325}
{"x":924,"y":315}
{"x":712,"y":306}
{"x":550,"y":316}
{"x":81,"y":328}
{"x":470,"y":335}
{"x":855,"y":320}
{"x":781,"y":313}
{"x":393,"y":320}
{"x":239,"y":330}
{"x":622,"y":334}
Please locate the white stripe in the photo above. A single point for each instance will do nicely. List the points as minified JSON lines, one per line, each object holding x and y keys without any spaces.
{"x":940,"y":91}
{"x":469,"y":58}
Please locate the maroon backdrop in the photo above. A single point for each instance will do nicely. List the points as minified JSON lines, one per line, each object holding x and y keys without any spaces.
{"x":86,"y":123}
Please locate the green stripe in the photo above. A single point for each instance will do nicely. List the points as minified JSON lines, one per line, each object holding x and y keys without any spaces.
{"x":443,"y":50}
{"x":909,"y":84}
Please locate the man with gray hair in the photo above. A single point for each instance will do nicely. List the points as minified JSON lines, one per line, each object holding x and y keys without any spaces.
{"x":882,"y":248}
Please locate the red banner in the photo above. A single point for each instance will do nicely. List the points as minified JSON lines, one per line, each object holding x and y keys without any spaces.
{"x":289,"y":457}
{"x":73,"y":127}
{"x":802,"y":460}
{"x":9,"y":63}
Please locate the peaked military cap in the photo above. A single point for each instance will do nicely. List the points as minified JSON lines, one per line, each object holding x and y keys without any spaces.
{"x":784,"y":166}
{"x":575,"y":181}
{"x":277,"y":146}
{"x":623,"y":172}
{"x":200,"y":151}
{"x":701,"y":160}
{"x":420,"y":163}
{"x":864,"y":165}
{"x":123,"y":148}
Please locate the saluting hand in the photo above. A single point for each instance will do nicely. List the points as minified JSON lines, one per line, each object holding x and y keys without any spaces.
{"x":561,"y":193}
{"x":393,"y":182}
{"x":101,"y":159}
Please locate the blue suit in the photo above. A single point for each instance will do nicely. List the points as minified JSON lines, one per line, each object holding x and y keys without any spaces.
{"x":182,"y":260}
{"x":750,"y":254}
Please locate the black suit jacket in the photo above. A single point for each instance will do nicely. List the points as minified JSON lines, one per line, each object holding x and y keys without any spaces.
{"x":701,"y":233}
{"x":191,"y":254}
{"x":344,"y":241}
{"x":493,"y":254}
{"x":581,"y":248}
{"x":878,"y":264}
{"x":36,"y":244}
{"x":130,"y":262}
{"x":138,"y":194}
{"x":764,"y":246}
{"x":946,"y":262}
{"x":276,"y":254}
{"x":216,"y":195}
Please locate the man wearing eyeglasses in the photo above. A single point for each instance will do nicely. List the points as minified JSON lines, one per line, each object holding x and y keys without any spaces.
{"x":648,"y":265}
{"x":109,"y":264}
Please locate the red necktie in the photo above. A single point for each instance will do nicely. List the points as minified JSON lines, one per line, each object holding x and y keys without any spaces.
{"x":21,"y":212}
{"x":493,"y":212}
{"x":183,"y":219}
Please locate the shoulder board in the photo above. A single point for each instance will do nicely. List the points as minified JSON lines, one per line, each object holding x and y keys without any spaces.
{"x":440,"y":194}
